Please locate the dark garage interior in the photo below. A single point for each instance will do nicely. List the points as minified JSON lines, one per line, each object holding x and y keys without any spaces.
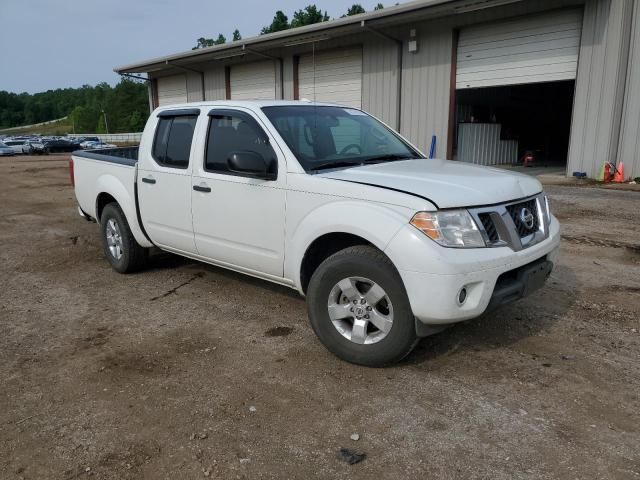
{"x":499,"y":125}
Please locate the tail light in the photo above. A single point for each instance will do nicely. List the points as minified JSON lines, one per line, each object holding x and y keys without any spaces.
{"x":72,"y":177}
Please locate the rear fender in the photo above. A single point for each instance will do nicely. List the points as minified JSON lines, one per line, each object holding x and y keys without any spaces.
{"x":114,"y":187}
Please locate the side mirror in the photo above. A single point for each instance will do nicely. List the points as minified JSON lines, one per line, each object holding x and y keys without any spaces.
{"x":251,"y":164}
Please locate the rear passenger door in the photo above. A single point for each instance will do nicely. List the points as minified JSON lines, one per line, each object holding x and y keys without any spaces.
{"x":164,"y":182}
{"x":238,"y":220}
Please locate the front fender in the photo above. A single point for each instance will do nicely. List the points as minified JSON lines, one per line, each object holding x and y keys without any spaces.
{"x":375,"y":223}
{"x":110,"y":184}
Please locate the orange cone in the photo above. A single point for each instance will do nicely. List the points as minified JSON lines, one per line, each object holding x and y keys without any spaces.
{"x":618,"y":177}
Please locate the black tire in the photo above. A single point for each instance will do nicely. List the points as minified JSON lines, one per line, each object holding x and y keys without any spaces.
{"x":370,"y":263}
{"x":133,"y":255}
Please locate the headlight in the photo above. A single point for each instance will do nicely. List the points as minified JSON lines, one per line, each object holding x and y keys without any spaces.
{"x":449,"y":228}
{"x":547,"y":207}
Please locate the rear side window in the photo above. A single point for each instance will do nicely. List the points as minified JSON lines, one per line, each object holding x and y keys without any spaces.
{"x":230,"y":132}
{"x":172,"y":144}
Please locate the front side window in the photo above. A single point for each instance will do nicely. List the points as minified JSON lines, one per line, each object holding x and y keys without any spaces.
{"x":324,"y":137}
{"x":172,"y":144}
{"x":233,"y":132}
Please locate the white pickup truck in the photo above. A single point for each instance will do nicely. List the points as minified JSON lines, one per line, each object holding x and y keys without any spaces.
{"x":387,"y":246}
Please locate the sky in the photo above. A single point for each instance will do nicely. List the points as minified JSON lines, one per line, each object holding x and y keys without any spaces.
{"x":47,"y":44}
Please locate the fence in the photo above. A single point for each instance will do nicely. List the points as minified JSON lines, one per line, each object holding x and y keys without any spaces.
{"x":112,"y":137}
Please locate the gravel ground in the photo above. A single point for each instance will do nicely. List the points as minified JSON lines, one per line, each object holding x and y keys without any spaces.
{"x":189,"y":371}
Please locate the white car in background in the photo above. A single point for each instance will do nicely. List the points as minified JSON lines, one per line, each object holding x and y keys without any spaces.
{"x":15,"y":145}
{"x":6,"y":151}
{"x":34,"y":145}
{"x":91,"y":145}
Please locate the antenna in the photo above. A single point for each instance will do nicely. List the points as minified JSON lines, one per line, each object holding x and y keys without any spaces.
{"x":313,"y":50}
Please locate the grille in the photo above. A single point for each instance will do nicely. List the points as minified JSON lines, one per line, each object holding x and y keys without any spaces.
{"x":515,"y":213}
{"x":489,"y":227}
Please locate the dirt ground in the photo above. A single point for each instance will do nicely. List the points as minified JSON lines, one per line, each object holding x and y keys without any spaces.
{"x":189,"y":371}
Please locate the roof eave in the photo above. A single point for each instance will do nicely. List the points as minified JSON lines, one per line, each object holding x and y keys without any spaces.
{"x":347,"y":23}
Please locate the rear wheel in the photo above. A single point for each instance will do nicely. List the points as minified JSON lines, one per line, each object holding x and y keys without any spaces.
{"x":359,"y":309}
{"x":120,"y":247}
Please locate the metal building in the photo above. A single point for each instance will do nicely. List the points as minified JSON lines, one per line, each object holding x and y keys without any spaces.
{"x":490,"y":79}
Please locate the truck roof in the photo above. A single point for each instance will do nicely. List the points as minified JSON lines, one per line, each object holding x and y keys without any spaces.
{"x":250,"y":104}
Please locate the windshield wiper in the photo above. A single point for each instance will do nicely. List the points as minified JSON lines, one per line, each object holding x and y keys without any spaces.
{"x":364,"y":161}
{"x":338,"y":164}
{"x":389,"y":158}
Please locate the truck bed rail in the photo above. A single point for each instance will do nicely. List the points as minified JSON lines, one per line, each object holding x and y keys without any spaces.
{"x":122,"y":156}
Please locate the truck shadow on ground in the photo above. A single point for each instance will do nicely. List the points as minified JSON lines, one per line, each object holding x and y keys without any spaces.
{"x":505,"y":326}
{"x":167,"y":261}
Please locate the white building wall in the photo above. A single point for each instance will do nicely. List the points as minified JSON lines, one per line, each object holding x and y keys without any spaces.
{"x":426,"y":88}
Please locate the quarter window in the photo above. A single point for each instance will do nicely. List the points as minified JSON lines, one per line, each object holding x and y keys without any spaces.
{"x":172,"y":144}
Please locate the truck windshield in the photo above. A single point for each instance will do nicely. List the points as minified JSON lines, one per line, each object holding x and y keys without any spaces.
{"x":324,"y":137}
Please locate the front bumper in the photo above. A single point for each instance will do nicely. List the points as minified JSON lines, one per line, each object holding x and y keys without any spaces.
{"x":433,"y":276}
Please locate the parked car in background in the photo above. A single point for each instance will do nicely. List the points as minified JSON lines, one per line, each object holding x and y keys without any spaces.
{"x":89,"y":142}
{"x":91,"y":145}
{"x":79,"y":140}
{"x":15,"y":145}
{"x":6,"y":151}
{"x":386,"y":245}
{"x":34,"y":146}
{"x":59,"y":145}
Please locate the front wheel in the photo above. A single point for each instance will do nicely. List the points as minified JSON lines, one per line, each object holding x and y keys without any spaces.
{"x":120,"y":247}
{"x":359,"y":309}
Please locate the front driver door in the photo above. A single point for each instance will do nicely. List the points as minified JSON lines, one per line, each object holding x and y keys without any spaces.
{"x":239,"y":220}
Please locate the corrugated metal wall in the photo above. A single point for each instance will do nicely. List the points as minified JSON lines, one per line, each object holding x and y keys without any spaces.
{"x":194,"y":87}
{"x":426,"y":83}
{"x":480,"y":143}
{"x":629,"y":148}
{"x":214,"y":83}
{"x":287,"y":73}
{"x":380,"y":77}
{"x":599,"y":97}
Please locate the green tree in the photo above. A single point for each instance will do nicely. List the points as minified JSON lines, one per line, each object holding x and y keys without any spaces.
{"x":83,"y":120}
{"x":355,"y":9}
{"x":280,"y":22}
{"x":236,"y":35}
{"x":136,"y":121}
{"x":82,"y":104}
{"x":102,"y":126}
{"x":209,"y":42}
{"x":310,"y":15}
{"x":378,"y":7}
{"x":203,"y":43}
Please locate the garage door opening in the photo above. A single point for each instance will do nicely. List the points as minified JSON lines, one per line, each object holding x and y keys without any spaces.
{"x":506,"y":125}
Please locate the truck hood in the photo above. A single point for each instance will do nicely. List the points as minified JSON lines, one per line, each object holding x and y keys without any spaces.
{"x":445,"y":183}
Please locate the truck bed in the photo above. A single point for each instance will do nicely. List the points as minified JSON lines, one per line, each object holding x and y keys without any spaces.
{"x":123,"y":155}
{"x":108,"y":175}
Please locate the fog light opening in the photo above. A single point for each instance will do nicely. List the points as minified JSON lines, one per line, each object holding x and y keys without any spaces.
{"x":462,"y":296}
